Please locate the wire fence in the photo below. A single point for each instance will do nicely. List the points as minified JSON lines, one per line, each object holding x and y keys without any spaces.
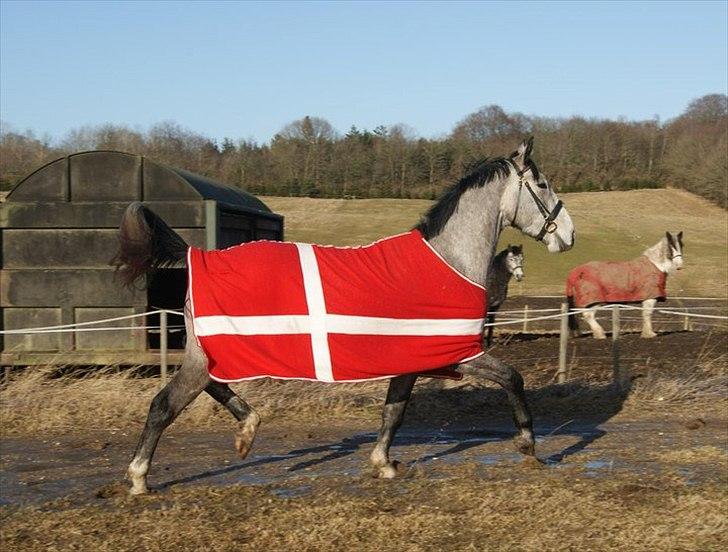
{"x":521,"y":317}
{"x":89,"y":326}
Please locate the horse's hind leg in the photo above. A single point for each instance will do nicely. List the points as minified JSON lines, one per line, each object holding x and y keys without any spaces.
{"x":647,"y":305}
{"x":511,"y":381}
{"x":248,"y":419}
{"x":187,"y":383}
{"x":398,"y":395}
{"x":590,"y":316}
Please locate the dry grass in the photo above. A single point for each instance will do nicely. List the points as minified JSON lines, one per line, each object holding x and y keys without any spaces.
{"x":468,"y":510}
{"x":705,"y":379}
{"x":606,"y":229}
{"x":706,"y":453}
{"x":40,"y":400}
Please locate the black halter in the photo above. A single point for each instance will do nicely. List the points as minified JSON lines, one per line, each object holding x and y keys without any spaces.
{"x":549,"y":225}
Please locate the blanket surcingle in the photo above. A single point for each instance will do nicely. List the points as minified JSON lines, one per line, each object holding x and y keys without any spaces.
{"x":301,"y":311}
{"x":616,"y":282}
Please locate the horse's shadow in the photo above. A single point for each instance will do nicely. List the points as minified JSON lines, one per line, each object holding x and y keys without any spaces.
{"x":575,"y":409}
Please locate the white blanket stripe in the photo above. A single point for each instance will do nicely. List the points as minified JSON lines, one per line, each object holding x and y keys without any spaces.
{"x":316,"y":311}
{"x":335,"y":324}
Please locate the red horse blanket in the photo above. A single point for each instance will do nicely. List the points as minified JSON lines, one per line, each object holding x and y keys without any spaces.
{"x":300,"y":311}
{"x":616,"y":282}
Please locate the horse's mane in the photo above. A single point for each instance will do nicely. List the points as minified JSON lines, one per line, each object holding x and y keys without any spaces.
{"x":479,"y":175}
{"x":483,"y":172}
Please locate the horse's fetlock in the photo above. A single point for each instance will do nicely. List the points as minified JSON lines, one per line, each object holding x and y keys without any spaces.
{"x":137,"y":474}
{"x":525,"y":443}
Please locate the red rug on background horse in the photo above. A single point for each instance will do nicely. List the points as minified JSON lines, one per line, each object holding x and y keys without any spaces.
{"x":615,"y":282}
{"x":300,"y":311}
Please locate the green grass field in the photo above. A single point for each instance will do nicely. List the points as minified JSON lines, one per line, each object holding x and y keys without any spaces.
{"x":609,"y":226}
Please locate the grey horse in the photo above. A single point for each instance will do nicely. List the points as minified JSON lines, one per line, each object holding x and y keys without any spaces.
{"x":462,"y":227}
{"x":506,"y":264}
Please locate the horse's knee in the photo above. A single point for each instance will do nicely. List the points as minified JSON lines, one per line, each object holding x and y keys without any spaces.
{"x":509,"y":378}
{"x":515,"y":380}
{"x":160,"y":411}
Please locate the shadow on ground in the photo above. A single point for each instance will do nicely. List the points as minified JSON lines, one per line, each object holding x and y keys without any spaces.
{"x":463,"y":418}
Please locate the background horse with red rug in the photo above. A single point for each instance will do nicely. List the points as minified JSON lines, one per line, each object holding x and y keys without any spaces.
{"x":643,"y":279}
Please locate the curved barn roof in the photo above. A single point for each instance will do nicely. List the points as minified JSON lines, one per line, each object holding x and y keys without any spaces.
{"x":117,"y":176}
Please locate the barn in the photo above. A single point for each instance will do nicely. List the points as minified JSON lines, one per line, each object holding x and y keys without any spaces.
{"x":58,"y":231}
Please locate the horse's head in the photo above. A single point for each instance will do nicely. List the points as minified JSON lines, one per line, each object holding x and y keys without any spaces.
{"x":531,"y":205}
{"x":674,"y":250}
{"x":514,"y":261}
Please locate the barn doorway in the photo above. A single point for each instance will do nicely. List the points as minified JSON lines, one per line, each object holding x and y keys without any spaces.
{"x":166,"y":290}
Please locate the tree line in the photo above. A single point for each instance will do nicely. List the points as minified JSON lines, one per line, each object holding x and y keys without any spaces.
{"x":308,"y":157}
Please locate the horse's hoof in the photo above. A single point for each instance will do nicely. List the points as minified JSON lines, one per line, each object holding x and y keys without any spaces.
{"x":648,"y":335}
{"x":600,"y":336}
{"x":138,"y":491}
{"x":246,"y":434}
{"x":533,"y":462}
{"x":388,"y":472}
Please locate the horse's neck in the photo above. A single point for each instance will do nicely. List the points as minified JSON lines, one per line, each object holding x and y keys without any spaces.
{"x":656,"y":254}
{"x":469,"y":238}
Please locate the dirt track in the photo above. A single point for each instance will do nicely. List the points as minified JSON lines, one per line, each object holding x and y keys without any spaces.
{"x":85,"y":467}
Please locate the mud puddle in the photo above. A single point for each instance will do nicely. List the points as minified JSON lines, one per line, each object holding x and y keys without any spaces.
{"x":82,"y":467}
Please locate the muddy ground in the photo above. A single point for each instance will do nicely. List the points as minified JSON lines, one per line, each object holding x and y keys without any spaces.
{"x":643,"y":468}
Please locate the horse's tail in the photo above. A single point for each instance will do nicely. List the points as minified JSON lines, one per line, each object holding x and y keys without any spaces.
{"x":573,"y":322}
{"x":146,"y":243}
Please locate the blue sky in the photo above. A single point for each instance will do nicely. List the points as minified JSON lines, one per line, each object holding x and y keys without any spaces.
{"x":244,"y":70}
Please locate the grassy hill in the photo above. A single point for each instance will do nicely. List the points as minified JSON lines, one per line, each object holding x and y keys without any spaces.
{"x":609,"y":225}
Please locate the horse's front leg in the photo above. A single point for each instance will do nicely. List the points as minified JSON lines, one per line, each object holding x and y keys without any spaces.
{"x":398,"y":395}
{"x":648,"y":306}
{"x":511,"y":381}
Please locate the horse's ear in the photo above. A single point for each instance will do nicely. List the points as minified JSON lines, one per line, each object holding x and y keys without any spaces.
{"x":523,"y":151}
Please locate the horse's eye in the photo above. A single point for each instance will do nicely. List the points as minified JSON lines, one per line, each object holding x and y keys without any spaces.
{"x":543,"y":185}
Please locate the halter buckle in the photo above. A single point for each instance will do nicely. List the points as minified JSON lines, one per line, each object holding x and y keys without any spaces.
{"x":551,"y":227}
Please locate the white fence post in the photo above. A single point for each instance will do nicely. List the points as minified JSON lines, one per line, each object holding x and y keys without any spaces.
{"x":525,"y":319}
{"x":163,"y":346}
{"x":563,"y":342}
